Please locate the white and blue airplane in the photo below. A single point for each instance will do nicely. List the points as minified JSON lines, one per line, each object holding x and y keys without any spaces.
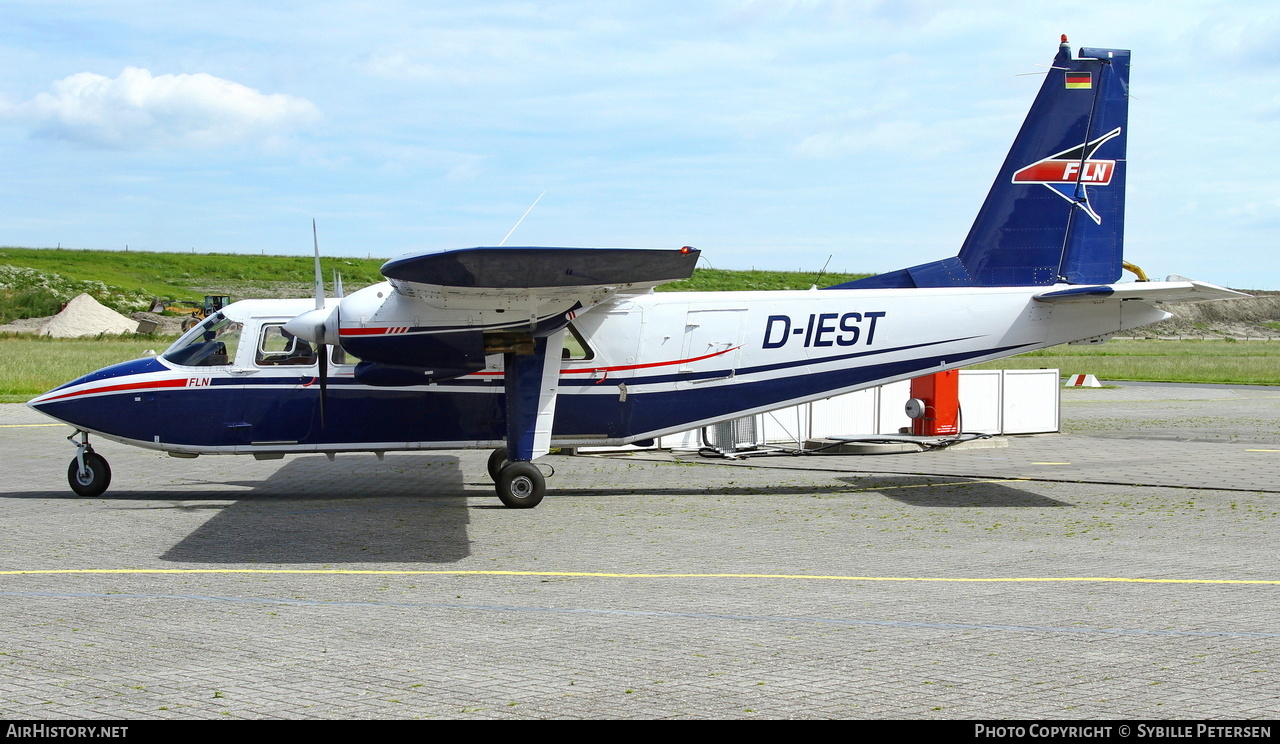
{"x":525,"y":349}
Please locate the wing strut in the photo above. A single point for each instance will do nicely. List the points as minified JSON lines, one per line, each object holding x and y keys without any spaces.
{"x":530,"y":382}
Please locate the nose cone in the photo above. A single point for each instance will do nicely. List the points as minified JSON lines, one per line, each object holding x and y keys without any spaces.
{"x":92,"y":402}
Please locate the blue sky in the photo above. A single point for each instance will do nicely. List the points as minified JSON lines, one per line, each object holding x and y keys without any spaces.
{"x":768,"y":134}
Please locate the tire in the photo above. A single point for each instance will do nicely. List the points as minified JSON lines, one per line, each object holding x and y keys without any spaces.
{"x":189,"y":322}
{"x":96,"y":478}
{"x":521,"y":485}
{"x":497,"y":459}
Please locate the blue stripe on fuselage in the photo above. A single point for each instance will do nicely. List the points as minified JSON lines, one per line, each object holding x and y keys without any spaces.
{"x":648,"y":412}
{"x":283,"y":410}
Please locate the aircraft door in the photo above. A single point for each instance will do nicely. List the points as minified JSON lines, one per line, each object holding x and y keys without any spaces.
{"x":199,"y":411}
{"x":281,"y":396}
{"x":712,"y":344}
{"x":614,"y":420}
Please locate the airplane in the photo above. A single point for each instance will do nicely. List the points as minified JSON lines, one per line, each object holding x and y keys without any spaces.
{"x":522,"y":349}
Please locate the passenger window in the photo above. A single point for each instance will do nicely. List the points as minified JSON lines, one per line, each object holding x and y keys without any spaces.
{"x":342,"y":356}
{"x":276,"y":347}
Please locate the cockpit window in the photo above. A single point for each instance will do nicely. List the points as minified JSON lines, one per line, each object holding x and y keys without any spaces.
{"x":211,"y":344}
{"x":576,"y":347}
{"x":277,"y":346}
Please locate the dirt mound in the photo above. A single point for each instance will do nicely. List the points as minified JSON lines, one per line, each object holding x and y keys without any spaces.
{"x":24,"y":325}
{"x":1248,"y":317}
{"x":166,"y":325}
{"x":85,"y":316}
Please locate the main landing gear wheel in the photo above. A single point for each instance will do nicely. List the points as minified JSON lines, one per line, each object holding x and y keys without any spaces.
{"x":94,"y":479}
{"x":520,"y":485}
{"x":497,"y":459}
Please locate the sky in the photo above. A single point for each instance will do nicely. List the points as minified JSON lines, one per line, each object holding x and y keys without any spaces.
{"x":778,"y":135}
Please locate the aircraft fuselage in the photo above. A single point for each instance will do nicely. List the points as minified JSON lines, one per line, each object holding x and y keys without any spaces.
{"x":649,"y":365}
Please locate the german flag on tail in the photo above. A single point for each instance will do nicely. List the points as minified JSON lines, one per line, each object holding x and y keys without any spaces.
{"x":1079,"y":80}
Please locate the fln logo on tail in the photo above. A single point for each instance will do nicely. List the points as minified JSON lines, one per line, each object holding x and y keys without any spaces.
{"x":1069,"y":173}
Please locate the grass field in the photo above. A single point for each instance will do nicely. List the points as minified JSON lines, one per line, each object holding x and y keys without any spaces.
{"x":30,"y":366}
{"x":1223,"y":361}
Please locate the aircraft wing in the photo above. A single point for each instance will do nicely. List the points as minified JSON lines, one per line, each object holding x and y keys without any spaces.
{"x":543,"y":273}
{"x":458,"y":306}
{"x":1184,"y":290}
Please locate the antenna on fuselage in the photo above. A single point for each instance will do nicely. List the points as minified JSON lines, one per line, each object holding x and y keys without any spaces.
{"x":526,"y":214}
{"x":824,"y":270}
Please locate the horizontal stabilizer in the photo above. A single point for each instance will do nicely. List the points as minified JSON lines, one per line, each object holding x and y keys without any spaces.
{"x":1179,"y":291}
{"x":542,"y":268}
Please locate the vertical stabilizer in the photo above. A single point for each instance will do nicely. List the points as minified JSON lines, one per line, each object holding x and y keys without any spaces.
{"x":1056,"y":210}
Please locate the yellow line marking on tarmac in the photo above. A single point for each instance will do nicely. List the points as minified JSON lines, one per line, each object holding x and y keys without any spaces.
{"x":602,"y":575}
{"x":1262,"y":450}
{"x":21,"y":426}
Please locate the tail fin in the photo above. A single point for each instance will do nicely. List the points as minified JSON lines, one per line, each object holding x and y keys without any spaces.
{"x":1056,"y":210}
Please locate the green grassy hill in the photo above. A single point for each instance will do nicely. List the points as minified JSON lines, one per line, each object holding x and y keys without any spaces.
{"x":127,"y":280}
{"x":186,"y":275}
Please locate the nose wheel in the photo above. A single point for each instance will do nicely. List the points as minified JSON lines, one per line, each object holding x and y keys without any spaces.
{"x":88,"y":474}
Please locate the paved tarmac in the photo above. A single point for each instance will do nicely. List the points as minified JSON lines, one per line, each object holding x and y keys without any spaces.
{"x":1126,"y":568}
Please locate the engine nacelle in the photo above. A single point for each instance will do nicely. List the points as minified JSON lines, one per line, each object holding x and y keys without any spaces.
{"x":388,"y":375}
{"x":440,"y":355}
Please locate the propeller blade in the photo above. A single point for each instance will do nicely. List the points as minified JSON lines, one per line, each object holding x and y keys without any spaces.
{"x":324,"y":382}
{"x":315,"y":239}
{"x":321,"y":348}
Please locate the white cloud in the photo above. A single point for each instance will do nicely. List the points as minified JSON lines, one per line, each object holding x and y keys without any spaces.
{"x":139,"y":110}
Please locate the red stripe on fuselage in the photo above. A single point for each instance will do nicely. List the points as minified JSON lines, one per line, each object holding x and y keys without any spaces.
{"x":371,"y":331}
{"x":621,"y":367}
{"x":184,"y":382}
{"x":180,"y":382}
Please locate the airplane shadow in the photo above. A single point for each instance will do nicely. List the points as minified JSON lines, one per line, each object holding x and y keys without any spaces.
{"x":908,"y":489}
{"x":952,"y":492}
{"x":412,"y":510}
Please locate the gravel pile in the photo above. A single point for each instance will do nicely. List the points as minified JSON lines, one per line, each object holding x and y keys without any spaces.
{"x":82,"y":316}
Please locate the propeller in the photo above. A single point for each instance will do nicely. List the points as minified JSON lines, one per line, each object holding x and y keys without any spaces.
{"x":321,"y":348}
{"x":318,"y":326}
